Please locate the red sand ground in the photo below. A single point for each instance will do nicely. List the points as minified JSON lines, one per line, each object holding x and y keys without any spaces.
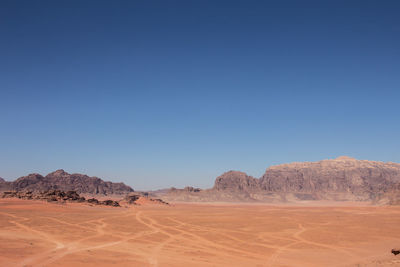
{"x":34,"y":233}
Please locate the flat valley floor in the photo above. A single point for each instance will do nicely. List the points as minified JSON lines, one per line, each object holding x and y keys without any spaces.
{"x":35,"y":233}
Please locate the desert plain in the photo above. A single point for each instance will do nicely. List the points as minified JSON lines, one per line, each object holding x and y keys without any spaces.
{"x":37,"y":233}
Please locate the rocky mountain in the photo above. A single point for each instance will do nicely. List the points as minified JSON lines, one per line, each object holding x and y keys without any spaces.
{"x":64,"y":181}
{"x":236,"y":181}
{"x":342,"y":178}
{"x":4,"y":185}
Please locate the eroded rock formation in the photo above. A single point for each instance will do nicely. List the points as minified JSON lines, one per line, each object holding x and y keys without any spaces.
{"x":342,"y":178}
{"x":61,"y":180}
{"x":140,"y":198}
{"x":57,"y":196}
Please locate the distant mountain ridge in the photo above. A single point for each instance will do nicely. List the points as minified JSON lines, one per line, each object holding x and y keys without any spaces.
{"x":340,"y":179}
{"x":62,"y":180}
{"x":343,"y":178}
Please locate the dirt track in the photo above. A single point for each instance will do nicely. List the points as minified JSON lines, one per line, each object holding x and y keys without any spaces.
{"x":34,"y":233}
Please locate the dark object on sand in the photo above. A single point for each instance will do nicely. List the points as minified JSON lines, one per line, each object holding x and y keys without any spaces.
{"x":395,"y":251}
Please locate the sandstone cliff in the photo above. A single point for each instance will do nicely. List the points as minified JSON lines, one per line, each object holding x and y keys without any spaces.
{"x":4,"y":185}
{"x":342,"y":178}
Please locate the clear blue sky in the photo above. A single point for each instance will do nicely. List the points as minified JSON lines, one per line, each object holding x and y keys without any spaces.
{"x":174,"y":93}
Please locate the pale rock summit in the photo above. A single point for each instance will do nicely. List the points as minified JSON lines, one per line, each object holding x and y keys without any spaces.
{"x":343,"y":178}
{"x":237,"y":181}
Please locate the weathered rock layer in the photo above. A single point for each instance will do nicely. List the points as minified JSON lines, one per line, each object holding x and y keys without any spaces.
{"x":64,"y":181}
{"x":343,"y":178}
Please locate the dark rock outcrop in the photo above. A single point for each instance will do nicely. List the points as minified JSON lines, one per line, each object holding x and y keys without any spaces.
{"x":109,"y":202}
{"x":57,"y":196}
{"x":93,"y":201}
{"x":64,"y":181}
{"x":191,"y":189}
{"x":131,"y":199}
{"x":139,"y":198}
{"x":159,"y":201}
{"x":49,"y":195}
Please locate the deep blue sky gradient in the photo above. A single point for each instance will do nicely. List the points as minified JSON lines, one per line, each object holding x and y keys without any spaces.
{"x":174,"y":93}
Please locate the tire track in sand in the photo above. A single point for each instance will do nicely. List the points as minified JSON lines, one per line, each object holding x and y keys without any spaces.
{"x":297,"y":236}
{"x":74,"y":247}
{"x":207,"y":245}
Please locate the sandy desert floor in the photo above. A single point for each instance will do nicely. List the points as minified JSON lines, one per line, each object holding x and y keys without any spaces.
{"x":34,"y":233}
